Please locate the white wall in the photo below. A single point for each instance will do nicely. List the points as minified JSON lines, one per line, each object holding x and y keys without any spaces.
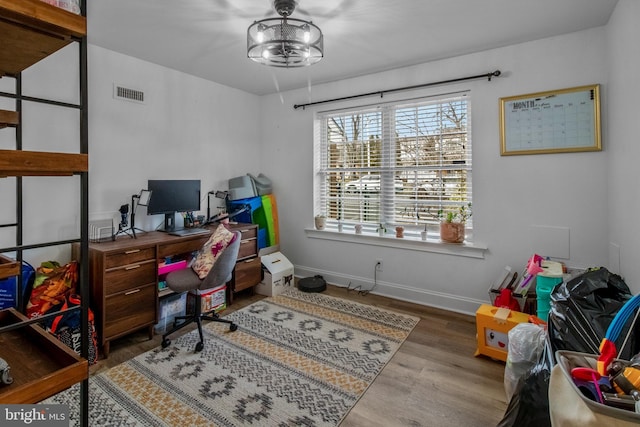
{"x":622,"y":56}
{"x":188,"y":128}
{"x":511,"y":194}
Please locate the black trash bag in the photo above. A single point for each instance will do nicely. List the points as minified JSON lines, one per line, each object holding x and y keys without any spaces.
{"x":529,"y":405}
{"x":582,"y":309}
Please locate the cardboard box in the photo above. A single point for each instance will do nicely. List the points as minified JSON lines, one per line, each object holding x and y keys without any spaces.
{"x":170,"y":307}
{"x":278,"y":274}
{"x":213,"y":300}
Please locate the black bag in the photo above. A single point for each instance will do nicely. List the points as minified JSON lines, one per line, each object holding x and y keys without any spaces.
{"x":582,"y":310}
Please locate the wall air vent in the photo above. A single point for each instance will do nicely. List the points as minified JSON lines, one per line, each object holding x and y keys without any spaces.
{"x":121,"y":92}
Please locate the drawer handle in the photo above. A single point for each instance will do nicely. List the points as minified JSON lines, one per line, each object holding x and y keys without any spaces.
{"x":132,"y":292}
{"x":132,"y":267}
{"x":132,"y":251}
{"x":249,"y":240}
{"x":250,"y":260}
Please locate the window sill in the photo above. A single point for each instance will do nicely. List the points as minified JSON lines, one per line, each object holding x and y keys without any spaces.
{"x":434,"y":245}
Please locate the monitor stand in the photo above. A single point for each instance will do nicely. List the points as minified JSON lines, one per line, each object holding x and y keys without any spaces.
{"x":169,"y":222}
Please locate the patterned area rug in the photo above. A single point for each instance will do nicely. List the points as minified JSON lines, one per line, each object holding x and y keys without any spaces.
{"x":297,"y":359}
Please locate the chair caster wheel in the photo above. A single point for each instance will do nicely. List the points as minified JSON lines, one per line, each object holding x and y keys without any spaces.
{"x":166,"y":342}
{"x":199,"y":346}
{"x":233,"y":327}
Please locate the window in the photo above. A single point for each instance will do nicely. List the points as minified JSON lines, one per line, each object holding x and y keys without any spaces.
{"x":405,"y":163}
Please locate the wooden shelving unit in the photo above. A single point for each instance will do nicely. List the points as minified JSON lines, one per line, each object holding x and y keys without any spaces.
{"x":41,"y":366}
{"x":9,"y":118}
{"x":44,"y":366}
{"x":41,"y":163}
{"x":31,"y":30}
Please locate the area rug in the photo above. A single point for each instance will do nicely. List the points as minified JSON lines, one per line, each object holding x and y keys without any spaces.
{"x":297,"y":359}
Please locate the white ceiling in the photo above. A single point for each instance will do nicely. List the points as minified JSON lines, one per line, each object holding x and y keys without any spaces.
{"x":207,"y":38}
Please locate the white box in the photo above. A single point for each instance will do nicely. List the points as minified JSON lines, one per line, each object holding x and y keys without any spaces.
{"x":278,"y":274}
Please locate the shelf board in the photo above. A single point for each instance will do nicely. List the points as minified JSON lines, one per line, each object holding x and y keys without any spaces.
{"x":41,"y":366}
{"x":31,"y":30}
{"x":40,"y":163}
{"x":9,"y":118}
{"x":8,"y":268}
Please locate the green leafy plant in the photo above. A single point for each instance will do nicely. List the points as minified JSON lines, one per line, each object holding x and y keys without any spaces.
{"x":462,"y":214}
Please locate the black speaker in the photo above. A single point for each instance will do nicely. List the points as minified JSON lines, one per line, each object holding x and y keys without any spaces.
{"x":312,"y":284}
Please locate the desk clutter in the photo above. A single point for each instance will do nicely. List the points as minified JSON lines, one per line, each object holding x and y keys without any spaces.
{"x":252,"y":197}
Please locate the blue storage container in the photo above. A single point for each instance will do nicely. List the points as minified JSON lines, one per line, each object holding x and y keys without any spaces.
{"x":9,"y":288}
{"x":253,"y":215}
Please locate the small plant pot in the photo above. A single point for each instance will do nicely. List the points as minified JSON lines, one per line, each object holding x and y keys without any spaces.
{"x":452,"y":232}
{"x":320,"y":222}
{"x":381,"y":232}
{"x":423,"y":235}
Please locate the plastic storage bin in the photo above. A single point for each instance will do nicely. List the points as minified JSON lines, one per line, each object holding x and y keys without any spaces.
{"x":170,"y":307}
{"x":545,"y":282}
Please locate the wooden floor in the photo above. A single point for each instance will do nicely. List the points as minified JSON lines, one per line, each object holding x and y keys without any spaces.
{"x":433,"y":380}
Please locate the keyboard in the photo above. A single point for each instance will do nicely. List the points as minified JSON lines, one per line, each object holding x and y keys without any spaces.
{"x":189,"y":231}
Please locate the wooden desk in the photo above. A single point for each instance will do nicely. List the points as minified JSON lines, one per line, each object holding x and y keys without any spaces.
{"x":123,"y":275}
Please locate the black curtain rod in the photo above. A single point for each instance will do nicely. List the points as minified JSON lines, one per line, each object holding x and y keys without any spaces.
{"x":382,"y":92}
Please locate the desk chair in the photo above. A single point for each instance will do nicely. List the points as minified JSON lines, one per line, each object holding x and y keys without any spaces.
{"x":187,"y":280}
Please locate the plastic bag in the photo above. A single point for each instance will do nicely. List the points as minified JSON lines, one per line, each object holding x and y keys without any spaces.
{"x":526,"y":342}
{"x":582,"y":309}
{"x":53,"y":284}
{"x":529,"y":405}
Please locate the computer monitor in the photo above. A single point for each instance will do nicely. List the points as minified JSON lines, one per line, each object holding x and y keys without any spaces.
{"x":169,"y":196}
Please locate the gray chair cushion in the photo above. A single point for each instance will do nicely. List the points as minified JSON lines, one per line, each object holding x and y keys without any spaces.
{"x":183,"y":280}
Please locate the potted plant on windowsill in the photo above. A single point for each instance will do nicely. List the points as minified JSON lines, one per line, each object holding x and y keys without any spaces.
{"x":452,"y":226}
{"x":320,"y":221}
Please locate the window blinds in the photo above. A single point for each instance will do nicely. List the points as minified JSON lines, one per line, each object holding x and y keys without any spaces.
{"x":395,"y":164}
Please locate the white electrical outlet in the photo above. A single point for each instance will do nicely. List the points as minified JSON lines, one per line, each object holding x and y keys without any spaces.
{"x":378,"y":265}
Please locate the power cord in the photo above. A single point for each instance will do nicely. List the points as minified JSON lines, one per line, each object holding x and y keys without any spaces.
{"x":365,"y":292}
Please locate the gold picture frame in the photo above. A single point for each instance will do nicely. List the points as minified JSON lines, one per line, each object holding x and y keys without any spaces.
{"x":556,"y":121}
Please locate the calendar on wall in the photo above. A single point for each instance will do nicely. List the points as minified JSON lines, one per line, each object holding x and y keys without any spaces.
{"x":558,"y":121}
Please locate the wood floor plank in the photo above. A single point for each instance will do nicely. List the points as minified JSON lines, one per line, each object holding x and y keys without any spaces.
{"x":433,"y":380}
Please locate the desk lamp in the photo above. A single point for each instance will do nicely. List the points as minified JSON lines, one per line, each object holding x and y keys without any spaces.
{"x":142,"y":200}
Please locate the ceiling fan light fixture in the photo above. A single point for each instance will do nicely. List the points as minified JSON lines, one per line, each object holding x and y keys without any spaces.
{"x":284,"y":42}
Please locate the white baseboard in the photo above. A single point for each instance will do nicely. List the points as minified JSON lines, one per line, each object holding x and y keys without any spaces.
{"x":401,"y":292}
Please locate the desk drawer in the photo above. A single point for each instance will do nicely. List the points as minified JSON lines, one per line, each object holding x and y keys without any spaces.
{"x":248,"y":248}
{"x":248,"y":273}
{"x":248,"y":232}
{"x":130,"y":256}
{"x":129,"y":310}
{"x":130,"y":276}
{"x":182,"y":246}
